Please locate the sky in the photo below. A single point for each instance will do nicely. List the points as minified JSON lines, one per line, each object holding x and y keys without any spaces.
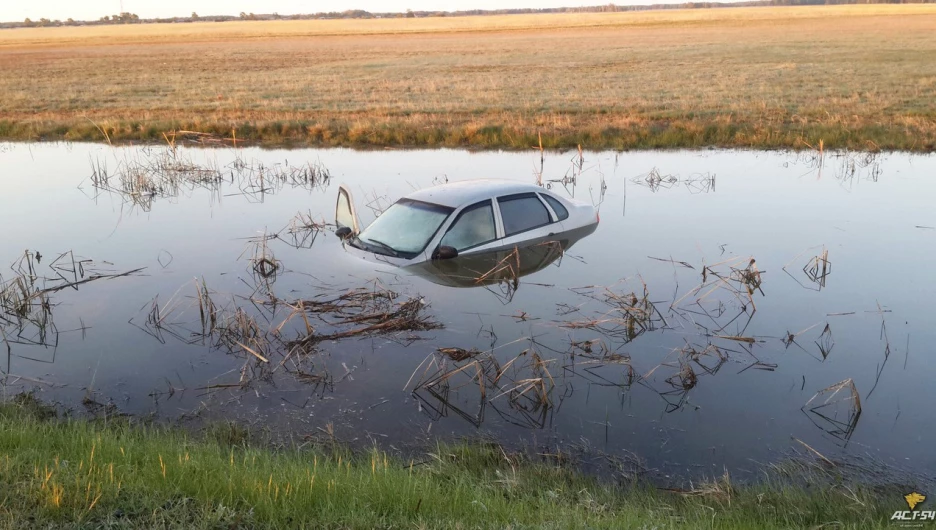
{"x":16,"y":10}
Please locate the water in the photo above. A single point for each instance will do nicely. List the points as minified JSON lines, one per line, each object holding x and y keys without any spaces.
{"x":624,"y":389}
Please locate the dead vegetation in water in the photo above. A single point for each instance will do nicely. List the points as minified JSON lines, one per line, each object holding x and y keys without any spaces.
{"x":835,"y":409}
{"x":852,"y":166}
{"x":261,"y":259}
{"x":816,"y":270}
{"x":26,"y":299}
{"x":503,"y":279}
{"x":611,"y":318}
{"x":302,"y":230}
{"x":364,"y":313}
{"x":144,"y":176}
{"x":570,"y":179}
{"x":273,"y":334}
{"x":849,"y":167}
{"x":825,"y":342}
{"x":725,"y":297}
{"x":655,"y":181}
{"x":672,"y":379}
{"x":623,"y":316}
{"x":468,"y":382}
{"x":692,"y":362}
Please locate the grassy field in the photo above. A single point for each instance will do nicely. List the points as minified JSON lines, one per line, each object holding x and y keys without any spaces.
{"x":81,"y":474}
{"x":852,"y":76}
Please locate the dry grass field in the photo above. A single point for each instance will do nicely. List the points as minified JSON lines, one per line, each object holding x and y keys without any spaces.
{"x":853,"y":76}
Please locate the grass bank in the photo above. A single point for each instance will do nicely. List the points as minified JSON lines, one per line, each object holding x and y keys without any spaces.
{"x":74,"y":474}
{"x":852,"y":76}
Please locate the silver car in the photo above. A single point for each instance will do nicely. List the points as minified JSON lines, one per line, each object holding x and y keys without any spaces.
{"x":465,"y":218}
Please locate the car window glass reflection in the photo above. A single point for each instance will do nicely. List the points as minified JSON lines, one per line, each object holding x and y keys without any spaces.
{"x":474,"y":227}
{"x":522,"y":213}
{"x":561,"y":213}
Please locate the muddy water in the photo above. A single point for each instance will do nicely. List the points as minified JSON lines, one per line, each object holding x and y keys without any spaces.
{"x":711,"y":364}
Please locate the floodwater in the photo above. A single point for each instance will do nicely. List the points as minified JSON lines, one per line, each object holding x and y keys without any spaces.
{"x":711,"y":363}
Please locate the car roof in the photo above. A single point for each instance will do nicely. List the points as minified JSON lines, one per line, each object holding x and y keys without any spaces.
{"x":463,"y":193}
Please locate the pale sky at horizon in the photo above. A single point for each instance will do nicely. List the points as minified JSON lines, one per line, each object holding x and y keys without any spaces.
{"x":13,"y":10}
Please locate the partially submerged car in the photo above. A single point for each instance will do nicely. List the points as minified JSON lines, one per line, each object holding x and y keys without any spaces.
{"x":465,"y":218}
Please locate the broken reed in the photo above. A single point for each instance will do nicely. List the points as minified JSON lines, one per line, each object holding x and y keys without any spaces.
{"x":835,"y":409}
{"x":302,"y":230}
{"x":625,"y":316}
{"x":261,"y":332}
{"x":524,"y":381}
{"x":262,"y":260}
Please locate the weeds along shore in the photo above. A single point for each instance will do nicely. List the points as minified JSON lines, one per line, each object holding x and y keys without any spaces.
{"x":437,"y":131}
{"x":123,"y":473}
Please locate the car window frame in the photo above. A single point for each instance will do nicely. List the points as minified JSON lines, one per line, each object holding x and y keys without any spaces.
{"x":497,"y":228}
{"x":555,"y":214}
{"x":524,"y":195}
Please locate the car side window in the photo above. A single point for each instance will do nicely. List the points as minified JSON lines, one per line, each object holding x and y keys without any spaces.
{"x":474,"y":226}
{"x":522,"y":212}
{"x":561,"y":213}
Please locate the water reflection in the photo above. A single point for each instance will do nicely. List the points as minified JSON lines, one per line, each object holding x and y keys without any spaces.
{"x":706,"y":326}
{"x":501,"y":268}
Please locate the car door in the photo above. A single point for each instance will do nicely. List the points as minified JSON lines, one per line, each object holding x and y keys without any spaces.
{"x":526,"y":218}
{"x":473,"y":230}
{"x":345,"y":216}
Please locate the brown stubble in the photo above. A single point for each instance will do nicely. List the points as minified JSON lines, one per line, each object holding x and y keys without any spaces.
{"x":760,"y":80}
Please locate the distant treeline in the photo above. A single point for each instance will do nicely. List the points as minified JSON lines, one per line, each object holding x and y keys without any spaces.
{"x":131,"y":18}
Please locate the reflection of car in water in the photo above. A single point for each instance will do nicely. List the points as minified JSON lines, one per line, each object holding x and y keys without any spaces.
{"x":495,"y":266}
{"x":473,"y":223}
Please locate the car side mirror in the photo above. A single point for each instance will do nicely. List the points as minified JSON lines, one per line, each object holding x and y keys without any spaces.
{"x":344,"y":232}
{"x":445,"y":252}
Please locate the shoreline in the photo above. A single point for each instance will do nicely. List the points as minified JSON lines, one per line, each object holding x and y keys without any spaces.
{"x":119,"y":471}
{"x":300,"y":135}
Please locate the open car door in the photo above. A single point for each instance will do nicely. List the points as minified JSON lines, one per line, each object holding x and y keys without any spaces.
{"x":345,"y":216}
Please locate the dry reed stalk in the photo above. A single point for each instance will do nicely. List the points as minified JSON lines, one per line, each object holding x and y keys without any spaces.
{"x":833,"y":390}
{"x":720,"y":489}
{"x":746,"y":340}
{"x":813,"y":451}
{"x":829,"y":416}
{"x":207,"y":310}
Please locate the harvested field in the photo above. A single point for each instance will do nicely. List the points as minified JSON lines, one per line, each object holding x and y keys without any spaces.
{"x":851,"y":76}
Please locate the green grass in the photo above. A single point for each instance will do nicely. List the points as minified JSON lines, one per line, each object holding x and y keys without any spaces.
{"x":66,"y":473}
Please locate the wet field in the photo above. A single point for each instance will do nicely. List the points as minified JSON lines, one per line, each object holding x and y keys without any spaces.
{"x":731,"y":307}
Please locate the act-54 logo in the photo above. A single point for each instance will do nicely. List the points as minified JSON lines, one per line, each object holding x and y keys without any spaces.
{"x":913,"y":499}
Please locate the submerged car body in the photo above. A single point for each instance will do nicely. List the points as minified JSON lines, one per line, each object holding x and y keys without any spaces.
{"x":491,"y":267}
{"x":465,"y":218}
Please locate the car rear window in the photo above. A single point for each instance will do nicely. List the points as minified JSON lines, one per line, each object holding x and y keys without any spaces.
{"x":561,"y":213}
{"x":522,"y":212}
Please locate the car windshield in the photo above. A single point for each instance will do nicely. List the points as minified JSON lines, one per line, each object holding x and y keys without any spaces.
{"x":405,"y":228}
